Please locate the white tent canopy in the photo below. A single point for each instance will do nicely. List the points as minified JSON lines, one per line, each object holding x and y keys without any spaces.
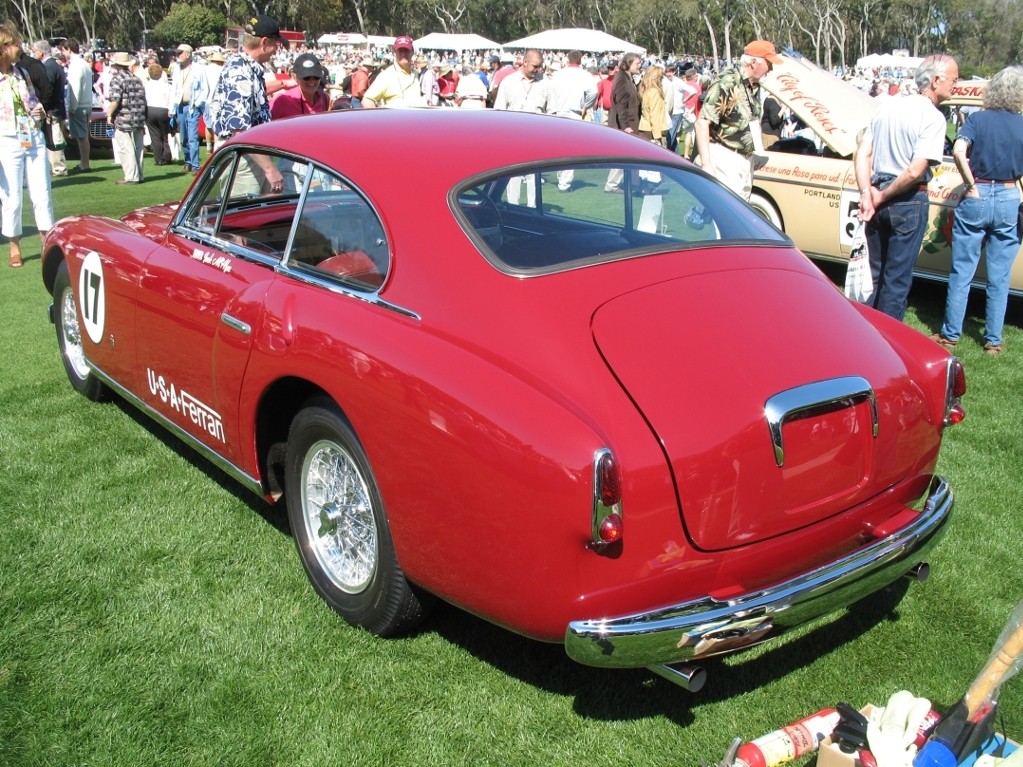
{"x":590,"y":40}
{"x":889,"y":60}
{"x":442,"y":41}
{"x":341,"y":38}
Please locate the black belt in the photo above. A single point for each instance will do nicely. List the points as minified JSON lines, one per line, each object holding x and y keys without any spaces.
{"x":1003,"y":182}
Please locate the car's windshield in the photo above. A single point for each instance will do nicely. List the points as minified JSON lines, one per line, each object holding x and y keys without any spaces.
{"x":558,"y":217}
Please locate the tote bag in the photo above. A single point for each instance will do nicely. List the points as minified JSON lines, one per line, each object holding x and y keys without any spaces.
{"x":859,"y":285}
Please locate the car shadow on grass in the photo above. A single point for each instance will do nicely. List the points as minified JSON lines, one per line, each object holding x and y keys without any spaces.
{"x":636,"y":694}
{"x":599,"y":694}
{"x":275,"y":515}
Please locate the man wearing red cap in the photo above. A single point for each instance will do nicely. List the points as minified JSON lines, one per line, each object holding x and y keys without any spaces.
{"x":728,"y":129}
{"x":398,"y":85}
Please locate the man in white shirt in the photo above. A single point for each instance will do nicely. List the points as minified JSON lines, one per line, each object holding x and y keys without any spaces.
{"x":79,"y":108}
{"x":571,"y":92}
{"x":524,"y":90}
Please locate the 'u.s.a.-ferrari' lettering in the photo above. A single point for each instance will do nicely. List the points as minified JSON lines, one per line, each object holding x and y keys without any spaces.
{"x":186,"y":405}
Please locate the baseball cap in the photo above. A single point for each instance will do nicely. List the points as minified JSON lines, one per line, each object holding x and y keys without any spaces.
{"x":764,"y":50}
{"x":403,"y":41}
{"x":307,"y":65}
{"x":494,"y":59}
{"x":184,"y":48}
{"x":507,"y":58}
{"x":264,"y":26}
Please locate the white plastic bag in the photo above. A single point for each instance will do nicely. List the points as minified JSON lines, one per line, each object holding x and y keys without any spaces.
{"x":859,"y":285}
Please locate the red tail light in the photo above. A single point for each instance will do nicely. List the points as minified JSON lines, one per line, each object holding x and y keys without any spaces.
{"x":610,"y":480}
{"x":611,"y":529}
{"x":954,"y":411}
{"x":606,"y":522}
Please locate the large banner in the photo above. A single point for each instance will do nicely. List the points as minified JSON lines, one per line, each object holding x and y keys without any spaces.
{"x":836,"y":109}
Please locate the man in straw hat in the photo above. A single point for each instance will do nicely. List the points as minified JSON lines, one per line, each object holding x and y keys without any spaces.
{"x":126,"y":111}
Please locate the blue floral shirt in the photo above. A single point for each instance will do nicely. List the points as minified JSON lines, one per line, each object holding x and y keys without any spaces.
{"x":239,"y":101}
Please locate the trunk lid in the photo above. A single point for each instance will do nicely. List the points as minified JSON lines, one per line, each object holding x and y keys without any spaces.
{"x":766,"y":406}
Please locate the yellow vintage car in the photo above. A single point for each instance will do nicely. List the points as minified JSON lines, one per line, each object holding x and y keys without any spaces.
{"x":808,"y":188}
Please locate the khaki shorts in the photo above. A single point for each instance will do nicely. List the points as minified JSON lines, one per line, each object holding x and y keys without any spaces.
{"x":732,"y":169}
{"x":78,"y":123}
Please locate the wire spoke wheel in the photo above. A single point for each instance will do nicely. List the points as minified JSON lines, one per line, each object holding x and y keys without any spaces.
{"x":340,"y":524}
{"x":339,"y":516}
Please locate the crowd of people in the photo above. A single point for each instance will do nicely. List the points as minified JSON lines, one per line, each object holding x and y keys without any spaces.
{"x":712,"y":112}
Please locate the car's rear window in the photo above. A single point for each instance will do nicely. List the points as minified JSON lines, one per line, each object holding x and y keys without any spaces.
{"x":556,"y":217}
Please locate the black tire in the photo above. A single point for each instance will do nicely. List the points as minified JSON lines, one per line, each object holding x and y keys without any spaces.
{"x":69,"y":339}
{"x":340,"y":526}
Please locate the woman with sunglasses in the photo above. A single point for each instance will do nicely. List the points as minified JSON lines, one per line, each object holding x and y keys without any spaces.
{"x":308,"y":96}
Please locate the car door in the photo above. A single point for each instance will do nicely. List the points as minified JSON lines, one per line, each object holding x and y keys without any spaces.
{"x":200,"y":305}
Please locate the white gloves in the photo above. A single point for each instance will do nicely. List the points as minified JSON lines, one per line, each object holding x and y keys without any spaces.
{"x":891,"y":730}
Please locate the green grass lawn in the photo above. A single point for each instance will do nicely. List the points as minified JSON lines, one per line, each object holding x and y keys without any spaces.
{"x":153,"y":613}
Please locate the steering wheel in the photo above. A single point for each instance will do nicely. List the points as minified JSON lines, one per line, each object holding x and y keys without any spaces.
{"x":485,"y":217}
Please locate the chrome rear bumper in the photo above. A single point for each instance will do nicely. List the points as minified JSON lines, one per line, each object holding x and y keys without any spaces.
{"x":706,"y":626}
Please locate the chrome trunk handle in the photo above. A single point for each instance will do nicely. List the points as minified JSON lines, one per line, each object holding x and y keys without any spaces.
{"x":814,"y":398}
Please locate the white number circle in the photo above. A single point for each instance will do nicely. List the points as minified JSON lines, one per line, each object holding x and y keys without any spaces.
{"x":92,"y":300}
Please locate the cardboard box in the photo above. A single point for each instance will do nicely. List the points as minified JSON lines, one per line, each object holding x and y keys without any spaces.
{"x":830,"y":755}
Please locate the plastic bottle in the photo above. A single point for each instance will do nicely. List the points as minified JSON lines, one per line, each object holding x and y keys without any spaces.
{"x":926,"y":728}
{"x":788,"y":743}
{"x":33,"y":102}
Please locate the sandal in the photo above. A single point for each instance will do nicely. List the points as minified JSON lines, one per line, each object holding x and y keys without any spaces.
{"x":14,"y":259}
{"x":993,"y":349}
{"x":946,"y":342}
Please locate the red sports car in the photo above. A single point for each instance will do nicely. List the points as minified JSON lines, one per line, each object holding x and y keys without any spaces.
{"x":543,"y":370}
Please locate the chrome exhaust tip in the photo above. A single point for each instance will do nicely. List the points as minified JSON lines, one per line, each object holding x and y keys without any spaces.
{"x":920,"y":572}
{"x":691,"y":678}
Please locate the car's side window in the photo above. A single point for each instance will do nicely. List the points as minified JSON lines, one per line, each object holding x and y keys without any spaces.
{"x":338,"y":234}
{"x":235,"y":204}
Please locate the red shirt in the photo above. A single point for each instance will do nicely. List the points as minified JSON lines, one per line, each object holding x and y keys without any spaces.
{"x":446,"y":84}
{"x":360,"y":82}
{"x":604,"y":92}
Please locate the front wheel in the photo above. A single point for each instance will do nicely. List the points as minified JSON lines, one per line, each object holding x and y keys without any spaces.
{"x":340,"y":527}
{"x":69,"y":339}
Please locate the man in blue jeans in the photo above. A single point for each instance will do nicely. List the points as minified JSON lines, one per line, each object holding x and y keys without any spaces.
{"x":190,"y":89}
{"x":905,"y":138}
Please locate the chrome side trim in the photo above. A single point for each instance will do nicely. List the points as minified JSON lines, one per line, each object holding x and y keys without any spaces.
{"x":233,"y":322}
{"x":333,"y":286}
{"x":708,"y":626}
{"x":822,"y":396}
{"x":247,"y":480}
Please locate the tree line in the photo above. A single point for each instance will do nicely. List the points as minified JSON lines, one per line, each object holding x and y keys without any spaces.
{"x":984,"y":35}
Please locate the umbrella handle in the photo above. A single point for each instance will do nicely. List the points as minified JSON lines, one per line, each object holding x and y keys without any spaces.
{"x":997,"y":670}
